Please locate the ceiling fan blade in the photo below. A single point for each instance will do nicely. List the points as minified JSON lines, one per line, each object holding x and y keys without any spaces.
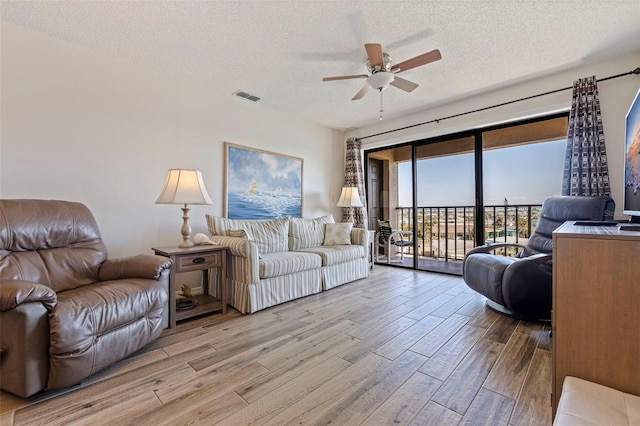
{"x":374,"y":52}
{"x":345,"y":77}
{"x":362,"y":92}
{"x":401,"y":83}
{"x":423,"y":59}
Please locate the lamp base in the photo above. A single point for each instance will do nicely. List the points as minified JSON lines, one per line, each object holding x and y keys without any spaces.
{"x":186,"y":229}
{"x":350,"y":219}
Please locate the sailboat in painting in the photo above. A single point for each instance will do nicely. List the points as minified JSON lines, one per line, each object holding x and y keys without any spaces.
{"x":253,"y":188}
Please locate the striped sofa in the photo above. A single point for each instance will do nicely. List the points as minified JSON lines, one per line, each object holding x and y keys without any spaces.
{"x":275,"y":261}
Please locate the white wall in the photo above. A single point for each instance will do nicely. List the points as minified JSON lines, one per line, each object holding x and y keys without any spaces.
{"x":81,"y":126}
{"x":615,"y":99}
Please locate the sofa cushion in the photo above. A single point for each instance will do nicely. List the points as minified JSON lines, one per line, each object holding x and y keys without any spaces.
{"x":271,"y":235}
{"x":304,"y":233}
{"x":337,"y":234}
{"x":332,"y":255}
{"x":222,"y":226}
{"x":285,"y":263}
{"x":217,"y":225}
{"x":238,"y":233}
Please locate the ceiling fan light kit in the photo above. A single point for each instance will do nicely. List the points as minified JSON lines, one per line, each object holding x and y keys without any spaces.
{"x":382,"y":72}
{"x":380,"y":80}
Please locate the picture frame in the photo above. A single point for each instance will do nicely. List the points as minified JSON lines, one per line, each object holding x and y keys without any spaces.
{"x":261,"y":184}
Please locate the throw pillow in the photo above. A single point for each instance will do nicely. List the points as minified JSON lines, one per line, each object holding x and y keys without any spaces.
{"x":337,"y":234}
{"x":306,"y":233}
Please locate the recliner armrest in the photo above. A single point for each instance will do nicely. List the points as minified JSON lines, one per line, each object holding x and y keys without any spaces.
{"x":539,"y":258}
{"x":488,"y":248}
{"x":17,"y":292}
{"x":147,"y":266}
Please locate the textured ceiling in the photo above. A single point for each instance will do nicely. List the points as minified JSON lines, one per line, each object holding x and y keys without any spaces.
{"x":280,"y":50}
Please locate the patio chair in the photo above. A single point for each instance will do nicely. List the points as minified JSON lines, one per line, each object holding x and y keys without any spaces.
{"x":387,"y":238}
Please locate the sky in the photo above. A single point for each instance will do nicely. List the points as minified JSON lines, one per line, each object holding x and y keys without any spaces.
{"x":523,"y":175}
{"x":269,"y":170}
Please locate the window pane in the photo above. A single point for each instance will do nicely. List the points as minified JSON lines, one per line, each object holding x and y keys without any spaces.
{"x":516,"y":180}
{"x":525,"y":174}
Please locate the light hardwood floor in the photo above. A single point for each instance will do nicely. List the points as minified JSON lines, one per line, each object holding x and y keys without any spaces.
{"x":401,"y":347}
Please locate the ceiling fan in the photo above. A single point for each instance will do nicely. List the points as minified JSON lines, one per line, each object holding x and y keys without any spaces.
{"x":382,"y":71}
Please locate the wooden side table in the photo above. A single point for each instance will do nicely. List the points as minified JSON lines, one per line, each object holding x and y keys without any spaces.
{"x":197,"y":258}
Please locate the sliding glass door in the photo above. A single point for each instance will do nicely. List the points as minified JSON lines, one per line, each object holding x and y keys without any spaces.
{"x":443,"y":196}
{"x":445,"y":192}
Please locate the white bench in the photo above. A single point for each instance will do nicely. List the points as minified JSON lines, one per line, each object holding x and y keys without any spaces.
{"x":586,"y":403}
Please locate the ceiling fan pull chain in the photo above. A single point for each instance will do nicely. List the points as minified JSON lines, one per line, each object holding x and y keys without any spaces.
{"x":381,"y":110}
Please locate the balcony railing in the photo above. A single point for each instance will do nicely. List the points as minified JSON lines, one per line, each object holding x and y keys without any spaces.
{"x":448,"y":232}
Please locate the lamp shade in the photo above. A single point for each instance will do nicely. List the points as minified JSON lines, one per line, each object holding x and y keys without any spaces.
{"x":184,"y":187}
{"x":349,"y":197}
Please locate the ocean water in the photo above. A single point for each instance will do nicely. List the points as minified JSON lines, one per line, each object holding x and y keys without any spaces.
{"x":262,"y":206}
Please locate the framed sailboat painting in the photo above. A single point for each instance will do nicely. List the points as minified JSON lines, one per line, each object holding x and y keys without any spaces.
{"x":261,"y":184}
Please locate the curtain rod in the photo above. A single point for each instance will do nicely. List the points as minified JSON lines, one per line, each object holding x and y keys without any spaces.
{"x":437,"y":120}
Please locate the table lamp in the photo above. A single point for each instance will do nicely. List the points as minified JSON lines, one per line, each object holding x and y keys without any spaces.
{"x":349,"y":197}
{"x":184,"y":187}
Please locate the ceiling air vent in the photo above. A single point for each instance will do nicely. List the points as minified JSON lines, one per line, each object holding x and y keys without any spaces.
{"x":246,"y":95}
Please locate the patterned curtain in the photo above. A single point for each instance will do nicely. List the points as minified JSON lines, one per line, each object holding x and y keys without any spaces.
{"x":585,"y":165}
{"x":354,"y":176}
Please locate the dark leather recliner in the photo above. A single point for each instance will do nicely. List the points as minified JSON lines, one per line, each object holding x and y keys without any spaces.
{"x":66,"y":311}
{"x":521,"y":286}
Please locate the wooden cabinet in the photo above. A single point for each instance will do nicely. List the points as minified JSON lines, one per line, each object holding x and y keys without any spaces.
{"x":596,"y":307}
{"x":198,"y":258}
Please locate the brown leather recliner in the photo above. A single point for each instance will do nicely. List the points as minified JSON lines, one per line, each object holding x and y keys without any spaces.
{"x":66,"y":311}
